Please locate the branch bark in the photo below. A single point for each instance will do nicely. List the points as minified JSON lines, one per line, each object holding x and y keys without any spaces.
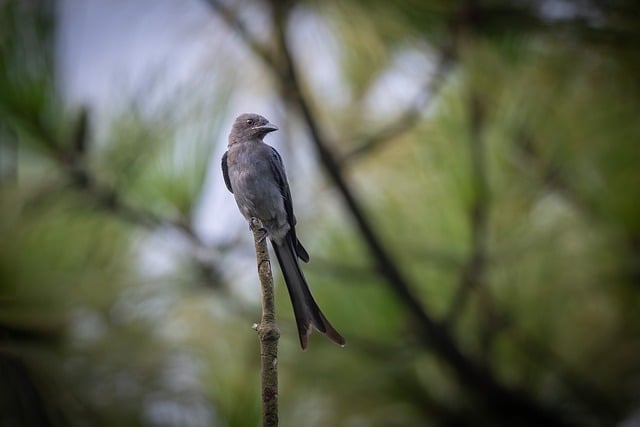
{"x":268,"y":332}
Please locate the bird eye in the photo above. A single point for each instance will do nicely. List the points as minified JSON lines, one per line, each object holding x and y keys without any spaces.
{"x":249,"y":122}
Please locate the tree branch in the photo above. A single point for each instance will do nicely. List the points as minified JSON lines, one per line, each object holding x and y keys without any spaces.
{"x":257,"y":47}
{"x":507,"y":402}
{"x":474,"y":273}
{"x":71,"y":159}
{"x":268,"y":332}
{"x":409,"y":118}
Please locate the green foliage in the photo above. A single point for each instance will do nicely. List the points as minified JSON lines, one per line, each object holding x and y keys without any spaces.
{"x":510,"y":204}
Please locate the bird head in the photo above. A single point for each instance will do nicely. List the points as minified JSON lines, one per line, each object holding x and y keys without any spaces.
{"x":250,"y":126}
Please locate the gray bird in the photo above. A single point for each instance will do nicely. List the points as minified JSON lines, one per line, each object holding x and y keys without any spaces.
{"x":253,"y":171}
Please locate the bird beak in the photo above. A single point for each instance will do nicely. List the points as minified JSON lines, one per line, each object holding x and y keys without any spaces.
{"x":267,"y":128}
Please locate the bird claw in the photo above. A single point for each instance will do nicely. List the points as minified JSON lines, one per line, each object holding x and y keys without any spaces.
{"x":264,"y":235}
{"x":256,"y":224}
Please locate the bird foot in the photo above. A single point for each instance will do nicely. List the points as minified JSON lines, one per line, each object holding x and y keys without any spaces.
{"x":256,"y":224}
{"x":264,"y":235}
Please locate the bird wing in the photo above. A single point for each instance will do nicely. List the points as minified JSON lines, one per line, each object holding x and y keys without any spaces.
{"x":277,"y":167}
{"x":225,"y":171}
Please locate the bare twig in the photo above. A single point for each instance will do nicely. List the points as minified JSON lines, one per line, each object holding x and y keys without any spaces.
{"x":268,"y":332}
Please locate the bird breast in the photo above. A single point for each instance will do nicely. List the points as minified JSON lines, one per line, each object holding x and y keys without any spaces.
{"x":256,"y":191}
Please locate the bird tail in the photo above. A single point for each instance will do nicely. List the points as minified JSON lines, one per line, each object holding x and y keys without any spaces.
{"x":305,"y":308}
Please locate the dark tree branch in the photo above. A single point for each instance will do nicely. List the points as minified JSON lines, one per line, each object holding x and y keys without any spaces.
{"x":474,"y":273}
{"x":259,"y":48}
{"x":594,"y":400}
{"x":552,"y":174}
{"x":22,"y":400}
{"x":8,"y":156}
{"x":110,"y":200}
{"x":507,"y":402}
{"x":556,"y":178}
{"x":510,"y":402}
{"x":71,"y":159}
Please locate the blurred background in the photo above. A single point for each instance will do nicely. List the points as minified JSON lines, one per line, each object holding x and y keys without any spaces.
{"x":464,"y":173}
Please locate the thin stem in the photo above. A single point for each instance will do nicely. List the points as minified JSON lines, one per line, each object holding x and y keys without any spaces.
{"x":268,"y":332}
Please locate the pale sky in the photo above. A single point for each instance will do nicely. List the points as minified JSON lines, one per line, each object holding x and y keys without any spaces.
{"x":113,"y":53}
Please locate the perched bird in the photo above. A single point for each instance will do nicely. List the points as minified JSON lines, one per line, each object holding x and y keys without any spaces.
{"x":253,"y":171}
